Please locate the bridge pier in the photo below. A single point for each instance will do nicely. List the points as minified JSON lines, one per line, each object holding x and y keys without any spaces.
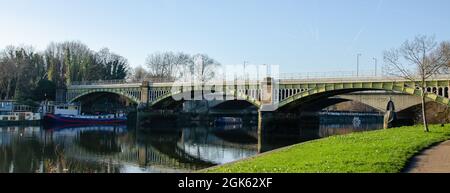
{"x":389,"y":118}
{"x":145,"y":99}
{"x":263,"y":116}
{"x":260,"y":131}
{"x":390,"y":115}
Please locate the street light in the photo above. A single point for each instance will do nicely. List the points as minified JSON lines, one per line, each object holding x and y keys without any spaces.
{"x":357,"y":64}
{"x":266,"y":71}
{"x":376,"y":63}
{"x":245,"y":69}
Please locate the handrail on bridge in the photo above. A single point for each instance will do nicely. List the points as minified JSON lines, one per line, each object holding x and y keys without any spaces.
{"x":101,"y":82}
{"x":334,"y":74}
{"x":305,"y":77}
{"x":121,"y":81}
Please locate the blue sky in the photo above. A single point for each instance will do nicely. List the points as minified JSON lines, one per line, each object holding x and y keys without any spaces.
{"x":299,"y":35}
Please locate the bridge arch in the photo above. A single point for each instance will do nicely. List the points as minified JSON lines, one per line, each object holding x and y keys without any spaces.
{"x":334,"y":89}
{"x":125,"y":94}
{"x":390,"y":106}
{"x":381,"y":99}
{"x":326,"y":103}
{"x":229,"y":92}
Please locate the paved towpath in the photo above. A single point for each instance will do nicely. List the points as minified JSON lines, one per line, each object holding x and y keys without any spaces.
{"x":433,"y":160}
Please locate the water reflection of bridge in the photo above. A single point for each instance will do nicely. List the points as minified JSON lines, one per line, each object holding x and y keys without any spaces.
{"x":218,"y":147}
{"x":190,"y":149}
{"x":73,"y":150}
{"x":143,"y":156}
{"x":130,"y":150}
{"x":116,"y":149}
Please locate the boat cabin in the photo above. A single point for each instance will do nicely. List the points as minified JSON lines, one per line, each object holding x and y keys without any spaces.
{"x":6,"y":106}
{"x":9,"y":111}
{"x":61,"y":108}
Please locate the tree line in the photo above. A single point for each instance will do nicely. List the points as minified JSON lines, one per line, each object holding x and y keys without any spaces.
{"x":170,"y":66}
{"x":27,"y":74}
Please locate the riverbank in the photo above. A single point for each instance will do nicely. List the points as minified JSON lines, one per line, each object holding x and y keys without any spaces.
{"x":383,"y":151}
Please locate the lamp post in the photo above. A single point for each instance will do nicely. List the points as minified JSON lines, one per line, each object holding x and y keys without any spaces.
{"x":245,"y":69}
{"x":376,"y":65}
{"x":357,"y":64}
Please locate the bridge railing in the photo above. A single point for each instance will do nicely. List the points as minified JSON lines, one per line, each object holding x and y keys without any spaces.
{"x":103,"y":82}
{"x":351,"y":75}
{"x":327,"y":75}
{"x":121,"y":81}
{"x":309,"y":76}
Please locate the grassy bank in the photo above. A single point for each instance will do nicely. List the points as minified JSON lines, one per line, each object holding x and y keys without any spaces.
{"x":375,"y":151}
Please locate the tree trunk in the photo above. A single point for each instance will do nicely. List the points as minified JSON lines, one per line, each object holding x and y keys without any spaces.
{"x":424,"y":114}
{"x":8,"y":88}
{"x":16,"y":88}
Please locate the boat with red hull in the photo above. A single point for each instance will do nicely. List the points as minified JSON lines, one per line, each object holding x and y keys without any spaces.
{"x":70,"y":114}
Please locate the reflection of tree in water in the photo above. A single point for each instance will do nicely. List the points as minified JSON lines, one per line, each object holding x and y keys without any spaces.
{"x":5,"y":159}
{"x":91,"y":150}
{"x":62,"y":165}
{"x":38,"y":152}
{"x":20,"y":156}
{"x":100,"y":142}
{"x":57,"y":162}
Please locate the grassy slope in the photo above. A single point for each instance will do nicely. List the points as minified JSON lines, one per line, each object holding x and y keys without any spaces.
{"x":376,"y":151}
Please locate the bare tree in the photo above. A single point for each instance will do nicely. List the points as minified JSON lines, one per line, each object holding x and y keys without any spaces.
{"x":169,"y":66}
{"x":22,"y":69}
{"x":203,"y":67}
{"x":7,"y":74}
{"x":115,"y":66}
{"x":139,"y":74}
{"x":165,"y":66}
{"x":418,"y":61}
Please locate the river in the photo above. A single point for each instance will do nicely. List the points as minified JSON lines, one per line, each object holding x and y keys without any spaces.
{"x":118,"y":149}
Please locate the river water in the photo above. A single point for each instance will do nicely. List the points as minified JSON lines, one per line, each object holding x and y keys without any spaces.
{"x":112,"y":149}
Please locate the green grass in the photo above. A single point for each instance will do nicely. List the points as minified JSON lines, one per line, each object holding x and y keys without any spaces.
{"x":383,"y":151}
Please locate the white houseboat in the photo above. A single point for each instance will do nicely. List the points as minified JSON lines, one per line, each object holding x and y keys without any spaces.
{"x":13,"y":114}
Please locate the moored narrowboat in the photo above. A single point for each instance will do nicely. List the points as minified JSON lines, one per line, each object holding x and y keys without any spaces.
{"x":64,"y":113}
